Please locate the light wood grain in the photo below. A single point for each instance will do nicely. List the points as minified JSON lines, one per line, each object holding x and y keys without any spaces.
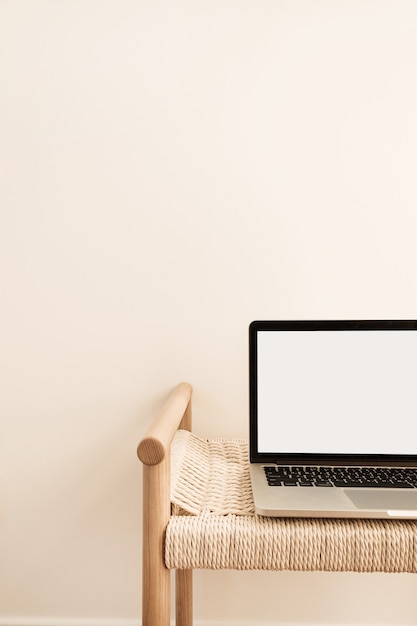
{"x":155,"y":576}
{"x":155,"y":445}
{"x":184,"y":597}
{"x":154,"y":452}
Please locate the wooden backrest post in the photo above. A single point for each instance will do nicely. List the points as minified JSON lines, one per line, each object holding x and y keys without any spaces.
{"x":186,"y":422}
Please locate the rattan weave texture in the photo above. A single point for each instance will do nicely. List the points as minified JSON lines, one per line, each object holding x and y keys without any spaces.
{"x":213,"y":525}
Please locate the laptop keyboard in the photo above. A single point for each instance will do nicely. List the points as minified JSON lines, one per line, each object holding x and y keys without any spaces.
{"x":382,"y":477}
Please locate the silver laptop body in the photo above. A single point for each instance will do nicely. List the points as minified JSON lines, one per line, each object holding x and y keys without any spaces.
{"x":333,"y":408}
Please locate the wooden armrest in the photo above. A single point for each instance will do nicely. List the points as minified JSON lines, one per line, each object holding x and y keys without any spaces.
{"x":176,"y":412}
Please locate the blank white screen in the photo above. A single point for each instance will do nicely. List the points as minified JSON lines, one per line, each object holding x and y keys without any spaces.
{"x":336,"y":392}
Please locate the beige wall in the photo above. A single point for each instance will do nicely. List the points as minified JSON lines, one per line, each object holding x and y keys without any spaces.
{"x":171,"y":170}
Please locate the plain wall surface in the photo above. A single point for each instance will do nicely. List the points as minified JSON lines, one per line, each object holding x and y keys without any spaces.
{"x":170,"y":171}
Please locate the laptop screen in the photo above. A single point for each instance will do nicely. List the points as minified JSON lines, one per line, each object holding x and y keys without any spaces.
{"x":335,"y":391}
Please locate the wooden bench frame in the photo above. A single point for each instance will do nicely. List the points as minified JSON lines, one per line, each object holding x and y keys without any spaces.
{"x":363,"y":539}
{"x":154,"y":452}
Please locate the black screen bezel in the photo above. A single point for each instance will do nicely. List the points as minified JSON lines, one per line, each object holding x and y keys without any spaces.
{"x":315,"y":325}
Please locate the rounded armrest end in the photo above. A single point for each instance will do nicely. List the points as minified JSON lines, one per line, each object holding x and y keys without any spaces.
{"x":151,"y":451}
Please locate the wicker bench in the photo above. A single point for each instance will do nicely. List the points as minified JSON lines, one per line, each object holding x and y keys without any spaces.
{"x":198,"y":513}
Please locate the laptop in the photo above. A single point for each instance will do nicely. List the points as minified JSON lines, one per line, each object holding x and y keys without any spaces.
{"x":333,"y":418}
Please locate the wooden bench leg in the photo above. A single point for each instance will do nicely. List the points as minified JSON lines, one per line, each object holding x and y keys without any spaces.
{"x":154,"y":452}
{"x":184,"y":597}
{"x":155,"y":576}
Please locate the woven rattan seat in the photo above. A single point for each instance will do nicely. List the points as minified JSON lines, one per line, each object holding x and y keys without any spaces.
{"x":199,"y":513}
{"x":214,"y":525}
